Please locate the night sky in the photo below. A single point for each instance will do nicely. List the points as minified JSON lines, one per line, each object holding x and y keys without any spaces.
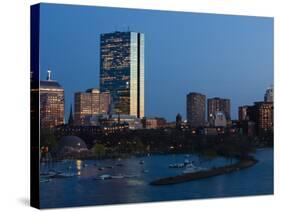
{"x":217,"y":55}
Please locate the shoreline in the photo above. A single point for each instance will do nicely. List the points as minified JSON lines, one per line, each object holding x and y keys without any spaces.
{"x":242,"y":164}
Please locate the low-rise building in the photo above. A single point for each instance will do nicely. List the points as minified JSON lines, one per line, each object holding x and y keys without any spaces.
{"x":154,"y":123}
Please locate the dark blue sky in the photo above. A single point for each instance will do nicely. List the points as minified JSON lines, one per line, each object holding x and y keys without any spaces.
{"x":217,"y":55}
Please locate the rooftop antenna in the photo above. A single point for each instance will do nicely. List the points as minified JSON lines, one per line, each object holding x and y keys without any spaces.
{"x":49,"y":74}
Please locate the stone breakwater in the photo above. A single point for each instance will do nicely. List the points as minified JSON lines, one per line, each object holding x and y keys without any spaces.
{"x":242,"y":164}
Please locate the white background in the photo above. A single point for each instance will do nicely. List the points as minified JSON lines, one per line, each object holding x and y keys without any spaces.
{"x":14,"y":103}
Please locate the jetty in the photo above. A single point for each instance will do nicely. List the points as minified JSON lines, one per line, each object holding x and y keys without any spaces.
{"x":241,"y":164}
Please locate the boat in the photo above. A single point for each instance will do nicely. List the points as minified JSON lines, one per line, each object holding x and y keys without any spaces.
{"x":141,"y":162}
{"x":64,"y":175}
{"x":104,"y":177}
{"x":117,"y":177}
{"x":145,"y":171}
{"x":50,"y":173}
{"x":186,"y":161}
{"x":177,"y":165}
{"x":45,"y":180}
{"x":181,"y":165}
{"x":191,"y":169}
{"x":100,"y":168}
{"x":130,"y":176}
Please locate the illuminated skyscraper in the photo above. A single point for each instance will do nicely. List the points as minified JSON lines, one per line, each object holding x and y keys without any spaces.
{"x":196,"y":109}
{"x":122,"y":71}
{"x":51,"y":103}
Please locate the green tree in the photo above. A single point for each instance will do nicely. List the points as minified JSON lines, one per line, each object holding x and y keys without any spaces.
{"x":98,"y":150}
{"x":47,"y":138}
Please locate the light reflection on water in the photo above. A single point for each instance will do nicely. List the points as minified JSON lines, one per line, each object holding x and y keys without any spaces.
{"x":85,"y":190}
{"x":78,"y":167}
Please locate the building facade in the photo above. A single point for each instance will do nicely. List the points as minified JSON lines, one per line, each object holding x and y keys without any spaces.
{"x":243,"y":114}
{"x":219,"y":119}
{"x":218,"y":105}
{"x":195,"y":109}
{"x":104,"y":103}
{"x":51,"y":103}
{"x":89,"y":103}
{"x":262,"y":114}
{"x":122,"y":71}
{"x":154,"y":122}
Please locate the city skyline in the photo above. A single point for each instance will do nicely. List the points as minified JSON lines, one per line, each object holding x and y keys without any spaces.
{"x":166,"y":98}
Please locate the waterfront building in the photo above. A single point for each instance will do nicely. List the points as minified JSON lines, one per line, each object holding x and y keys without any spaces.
{"x":218,"y":104}
{"x":268,"y":96}
{"x":196,"y":109}
{"x":262,"y":114}
{"x":89,"y":133}
{"x":108,"y":120}
{"x":218,"y":119}
{"x":89,"y":103}
{"x":117,"y":119}
{"x":51,"y":103}
{"x":122,"y":71}
{"x":154,"y":122}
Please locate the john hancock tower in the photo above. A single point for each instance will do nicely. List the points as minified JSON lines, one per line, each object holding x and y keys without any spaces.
{"x":122,"y":71}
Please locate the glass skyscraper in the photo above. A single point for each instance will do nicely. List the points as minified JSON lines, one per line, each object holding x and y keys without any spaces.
{"x":122,"y":71}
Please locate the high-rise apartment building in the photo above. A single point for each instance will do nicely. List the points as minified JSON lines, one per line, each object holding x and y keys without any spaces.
{"x":262,"y":114}
{"x":218,"y":105}
{"x":196,"y":109}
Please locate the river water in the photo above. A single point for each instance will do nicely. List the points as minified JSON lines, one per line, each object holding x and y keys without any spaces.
{"x":84,"y":189}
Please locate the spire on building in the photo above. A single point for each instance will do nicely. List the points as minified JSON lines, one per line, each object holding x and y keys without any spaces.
{"x":70,"y":119}
{"x":49,"y":74}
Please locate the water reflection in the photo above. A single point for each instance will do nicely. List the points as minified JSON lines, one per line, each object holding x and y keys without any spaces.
{"x":85,"y":190}
{"x":78,"y":167}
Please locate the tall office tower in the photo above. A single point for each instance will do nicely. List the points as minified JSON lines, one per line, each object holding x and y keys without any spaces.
{"x":90,"y":103}
{"x":268,"y":96}
{"x":218,"y":105}
{"x":122,"y":71}
{"x":51,"y":103}
{"x":196,"y":109}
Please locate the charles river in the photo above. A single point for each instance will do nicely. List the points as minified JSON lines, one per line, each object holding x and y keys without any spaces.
{"x":87,"y":189}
